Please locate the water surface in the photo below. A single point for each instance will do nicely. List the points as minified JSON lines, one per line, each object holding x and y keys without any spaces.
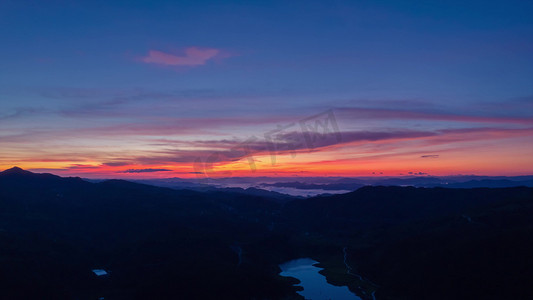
{"x":315,"y":285}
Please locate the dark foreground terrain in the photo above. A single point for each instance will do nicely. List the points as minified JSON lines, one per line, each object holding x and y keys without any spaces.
{"x":160,"y":243}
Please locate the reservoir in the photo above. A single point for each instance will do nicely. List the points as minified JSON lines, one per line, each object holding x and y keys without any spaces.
{"x":314,"y":285}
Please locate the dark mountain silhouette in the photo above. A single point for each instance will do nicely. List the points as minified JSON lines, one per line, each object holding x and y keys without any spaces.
{"x":309,"y":186}
{"x":352,"y":184}
{"x":15,"y":171}
{"x":156,"y":242}
{"x":162,"y":243}
{"x":389,"y":205}
{"x":429,"y":243}
{"x":492,"y":183}
{"x":484,"y":253}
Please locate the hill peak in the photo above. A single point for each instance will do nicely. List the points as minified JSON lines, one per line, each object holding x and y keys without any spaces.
{"x":15,"y":170}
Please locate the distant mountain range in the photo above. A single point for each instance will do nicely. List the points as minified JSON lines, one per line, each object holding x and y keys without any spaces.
{"x":334,"y":185}
{"x":162,"y":243}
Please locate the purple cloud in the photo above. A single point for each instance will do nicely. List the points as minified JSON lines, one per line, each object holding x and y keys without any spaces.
{"x":145,"y":170}
{"x":378,"y":113}
{"x":193,"y":56}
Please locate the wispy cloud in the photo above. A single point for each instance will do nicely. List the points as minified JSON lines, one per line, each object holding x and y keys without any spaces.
{"x":145,"y":170}
{"x":192,"y":56}
{"x":430,"y":156}
{"x":230,"y":150}
{"x":391,"y":114}
{"x":18,"y":113}
{"x":116,"y":163}
{"x":225,"y":151}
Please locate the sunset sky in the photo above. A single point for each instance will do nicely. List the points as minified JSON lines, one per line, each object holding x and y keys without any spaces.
{"x":236,"y":88}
